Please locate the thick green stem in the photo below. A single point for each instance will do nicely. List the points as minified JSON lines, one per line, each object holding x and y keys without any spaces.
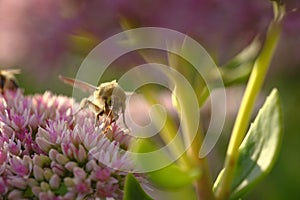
{"x":203,"y":185}
{"x":256,"y":79}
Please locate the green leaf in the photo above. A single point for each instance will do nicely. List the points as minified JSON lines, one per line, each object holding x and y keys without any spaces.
{"x":187,"y":192}
{"x":237,"y":75}
{"x":173,"y":177}
{"x":133,"y":190}
{"x":260,"y":147}
{"x":158,"y":158}
{"x":165,"y":177}
{"x":248,"y":54}
{"x":238,"y":69}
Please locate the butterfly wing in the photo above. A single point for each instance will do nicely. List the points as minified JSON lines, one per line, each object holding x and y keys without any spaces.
{"x":85,"y":87}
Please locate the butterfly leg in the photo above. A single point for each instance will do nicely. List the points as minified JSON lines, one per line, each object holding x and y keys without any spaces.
{"x":86,"y":102}
{"x":83,"y":104}
{"x":124,"y":121}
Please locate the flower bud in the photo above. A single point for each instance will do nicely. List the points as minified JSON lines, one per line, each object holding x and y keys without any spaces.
{"x":18,"y":183}
{"x":43,"y":144}
{"x":52,"y":154}
{"x":80,"y":155}
{"x":36,"y":190}
{"x":46,"y":195}
{"x":45,"y":186}
{"x":37,"y":161}
{"x":70,"y":166}
{"x":32,"y":182}
{"x":61,"y":159}
{"x":45,"y":160}
{"x":3,"y":187}
{"x":69,"y":182}
{"x":91,"y":164}
{"x":38,"y":173}
{"x":15,"y":194}
{"x":54,"y":181}
{"x":79,"y":173}
{"x":48,"y":174}
{"x":69,"y":196}
{"x":57,"y":169}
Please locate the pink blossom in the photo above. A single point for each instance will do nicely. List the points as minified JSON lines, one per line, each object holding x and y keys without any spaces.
{"x":45,"y":149}
{"x":20,"y":167}
{"x":102,"y":174}
{"x":3,"y":187}
{"x":3,"y":157}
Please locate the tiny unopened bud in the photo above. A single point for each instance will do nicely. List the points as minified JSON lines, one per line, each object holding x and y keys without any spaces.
{"x":48,"y":174}
{"x":37,"y":161}
{"x":91,"y":164}
{"x":69,"y":196}
{"x":57,"y":169}
{"x":61,"y":159}
{"x":32,"y":182}
{"x":69,"y":182}
{"x":38,"y":173}
{"x":45,"y":159}
{"x":54,"y":181}
{"x":70,"y":166}
{"x":18,"y":183}
{"x":15,"y":194}
{"x":43,"y":144}
{"x":36,"y":190}
{"x":80,"y":155}
{"x":79,"y":173}
{"x":52,"y":154}
{"x":45,"y":186}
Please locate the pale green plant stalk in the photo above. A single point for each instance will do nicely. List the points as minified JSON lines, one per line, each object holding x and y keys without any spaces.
{"x":203,"y":184}
{"x":254,"y":85}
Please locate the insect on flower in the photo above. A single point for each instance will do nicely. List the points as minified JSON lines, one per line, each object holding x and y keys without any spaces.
{"x":108,"y":99}
{"x":8,"y":80}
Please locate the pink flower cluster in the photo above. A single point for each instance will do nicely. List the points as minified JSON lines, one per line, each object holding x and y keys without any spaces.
{"x":48,"y":153}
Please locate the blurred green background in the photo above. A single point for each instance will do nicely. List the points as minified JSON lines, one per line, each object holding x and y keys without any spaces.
{"x":52,"y":37}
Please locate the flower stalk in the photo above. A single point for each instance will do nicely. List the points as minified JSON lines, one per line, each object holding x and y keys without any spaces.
{"x":203,"y":184}
{"x":254,"y":85}
{"x":182,"y":101}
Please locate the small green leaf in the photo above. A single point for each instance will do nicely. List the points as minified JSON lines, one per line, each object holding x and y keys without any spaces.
{"x":248,"y":54}
{"x":173,"y":177}
{"x":238,"y":69}
{"x":236,"y":75}
{"x":147,"y":146}
{"x":187,"y":192}
{"x":164,"y":177}
{"x":260,"y":147}
{"x":133,"y":190}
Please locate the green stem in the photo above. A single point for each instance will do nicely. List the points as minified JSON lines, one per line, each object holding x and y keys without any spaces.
{"x":203,"y":184}
{"x":182,"y":102}
{"x":256,"y":79}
